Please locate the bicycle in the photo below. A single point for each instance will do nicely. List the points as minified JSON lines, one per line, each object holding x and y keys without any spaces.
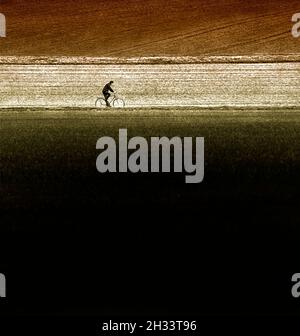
{"x":115,"y":101}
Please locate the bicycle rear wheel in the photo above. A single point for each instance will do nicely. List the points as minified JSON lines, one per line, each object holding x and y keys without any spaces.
{"x":118,"y":102}
{"x":100,"y":102}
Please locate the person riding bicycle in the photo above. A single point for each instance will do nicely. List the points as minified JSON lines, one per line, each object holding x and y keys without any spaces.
{"x":107,"y":88}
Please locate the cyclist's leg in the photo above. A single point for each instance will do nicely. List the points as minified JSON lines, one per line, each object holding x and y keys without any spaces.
{"x":106,"y":96}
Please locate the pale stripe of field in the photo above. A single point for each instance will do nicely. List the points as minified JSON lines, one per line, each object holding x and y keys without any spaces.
{"x":150,"y":85}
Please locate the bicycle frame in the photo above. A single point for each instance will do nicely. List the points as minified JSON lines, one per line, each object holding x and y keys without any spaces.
{"x":112,"y":98}
{"x":115,"y":96}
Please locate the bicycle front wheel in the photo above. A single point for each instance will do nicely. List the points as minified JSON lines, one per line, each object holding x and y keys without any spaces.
{"x":100,"y":102}
{"x":118,"y":102}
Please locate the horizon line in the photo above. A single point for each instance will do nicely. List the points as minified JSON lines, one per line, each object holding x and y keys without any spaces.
{"x":43,"y":59}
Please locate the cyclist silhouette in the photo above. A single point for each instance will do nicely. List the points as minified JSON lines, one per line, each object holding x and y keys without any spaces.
{"x":107,"y":88}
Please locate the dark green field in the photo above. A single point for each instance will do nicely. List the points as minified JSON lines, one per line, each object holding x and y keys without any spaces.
{"x":48,"y":160}
{"x":237,"y":221}
{"x":250,"y":156}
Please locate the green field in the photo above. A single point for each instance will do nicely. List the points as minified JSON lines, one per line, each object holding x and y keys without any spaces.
{"x":152,"y":233}
{"x":48,"y":159}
